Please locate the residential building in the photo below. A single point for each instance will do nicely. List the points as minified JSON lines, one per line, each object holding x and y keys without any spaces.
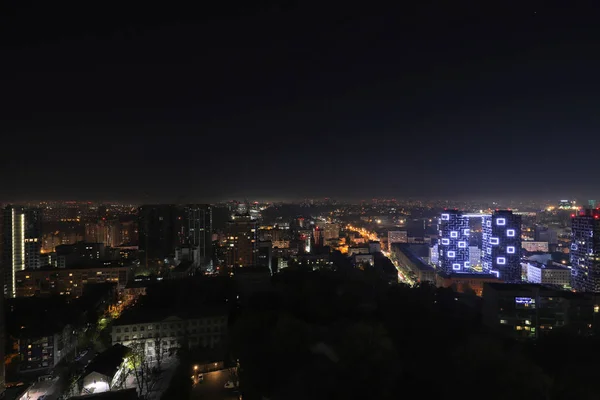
{"x":585,"y":251}
{"x":408,"y":260}
{"x":548,"y":274}
{"x":68,"y":281}
{"x":453,"y":244}
{"x":463,"y":282}
{"x":241,"y":241}
{"x":534,"y":246}
{"x":164,"y":333}
{"x":527,"y":311}
{"x":501,"y":245}
{"x":397,"y":237}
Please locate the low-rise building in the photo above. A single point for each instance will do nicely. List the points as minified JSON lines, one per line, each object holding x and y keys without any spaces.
{"x":535,"y":246}
{"x":463,"y":282}
{"x":407,"y":259}
{"x":106,"y":370}
{"x":164,"y":332}
{"x":527,"y":311}
{"x":358,"y":259}
{"x":547,"y":274}
{"x":68,"y":281}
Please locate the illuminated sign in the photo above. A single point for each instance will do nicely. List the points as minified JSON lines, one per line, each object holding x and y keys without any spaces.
{"x":524,"y":300}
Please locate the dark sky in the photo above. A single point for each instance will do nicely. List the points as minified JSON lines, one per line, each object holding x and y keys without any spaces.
{"x":102,"y":100}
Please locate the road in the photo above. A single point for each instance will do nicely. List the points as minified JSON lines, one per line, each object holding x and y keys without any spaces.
{"x":213,"y":387}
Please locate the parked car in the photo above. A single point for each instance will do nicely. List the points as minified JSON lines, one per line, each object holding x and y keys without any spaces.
{"x":200,"y":377}
{"x":231,"y":385}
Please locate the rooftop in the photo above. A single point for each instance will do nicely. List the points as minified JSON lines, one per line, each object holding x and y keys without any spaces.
{"x":107,"y":363}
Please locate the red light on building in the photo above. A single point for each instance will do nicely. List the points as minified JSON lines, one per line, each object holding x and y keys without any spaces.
{"x":572,"y":215}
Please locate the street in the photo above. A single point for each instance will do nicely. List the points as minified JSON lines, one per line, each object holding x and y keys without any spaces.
{"x":213,"y":387}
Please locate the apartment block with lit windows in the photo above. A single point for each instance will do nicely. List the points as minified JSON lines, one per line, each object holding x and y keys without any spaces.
{"x":528,"y":311}
{"x":68,"y":281}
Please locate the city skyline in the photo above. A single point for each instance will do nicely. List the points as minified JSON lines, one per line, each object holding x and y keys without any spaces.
{"x":428,"y":101}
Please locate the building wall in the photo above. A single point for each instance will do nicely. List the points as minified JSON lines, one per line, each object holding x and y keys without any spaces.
{"x":172,"y":331}
{"x":585,"y":252}
{"x":501,"y":245}
{"x":453,"y":243}
{"x":68,"y":281}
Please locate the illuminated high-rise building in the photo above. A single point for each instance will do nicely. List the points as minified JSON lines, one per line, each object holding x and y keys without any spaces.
{"x":501,"y":245}
{"x":197,"y":228}
{"x":13,"y":254}
{"x":242,"y":241}
{"x":585,"y":251}
{"x":453,"y":244}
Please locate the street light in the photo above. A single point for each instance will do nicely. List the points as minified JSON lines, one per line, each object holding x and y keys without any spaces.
{"x":195,"y":368}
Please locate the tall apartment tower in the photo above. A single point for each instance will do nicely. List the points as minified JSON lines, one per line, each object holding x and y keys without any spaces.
{"x":242,"y":241}
{"x":501,"y":245}
{"x":453,"y":245}
{"x":585,"y":251}
{"x":13,"y":255}
{"x":197,"y":228}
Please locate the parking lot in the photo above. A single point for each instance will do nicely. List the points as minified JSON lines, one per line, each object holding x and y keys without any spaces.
{"x":213,"y":387}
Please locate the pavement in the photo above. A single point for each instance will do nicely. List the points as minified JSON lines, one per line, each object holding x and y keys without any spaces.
{"x":213,"y":387}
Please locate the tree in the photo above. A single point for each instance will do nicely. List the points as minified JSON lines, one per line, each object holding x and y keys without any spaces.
{"x":161,"y":350}
{"x":141,"y":367}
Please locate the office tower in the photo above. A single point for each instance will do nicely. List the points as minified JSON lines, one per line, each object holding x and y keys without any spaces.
{"x":242,"y":243}
{"x":585,"y":251}
{"x":397,"y":237}
{"x":13,"y":255}
{"x":501,"y":245}
{"x":197,"y":228}
{"x":158,"y":230}
{"x":453,"y":242}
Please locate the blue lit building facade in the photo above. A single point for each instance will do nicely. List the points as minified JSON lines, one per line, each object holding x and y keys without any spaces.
{"x":585,"y":251}
{"x":453,"y":244}
{"x":501,"y":245}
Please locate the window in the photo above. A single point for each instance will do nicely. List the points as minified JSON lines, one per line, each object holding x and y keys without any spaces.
{"x":510,"y":232}
{"x":118,"y":330}
{"x":456,"y":267}
{"x":501,"y":261}
{"x":445,"y":241}
{"x":142,"y":328}
{"x":126,"y":330}
{"x":510,"y":249}
{"x":501,"y":221}
{"x":118,"y":339}
{"x":453,"y":234}
{"x":126,"y":337}
{"x":451,"y":254}
{"x":503,"y":321}
{"x":494,"y":240}
{"x":462,"y":245}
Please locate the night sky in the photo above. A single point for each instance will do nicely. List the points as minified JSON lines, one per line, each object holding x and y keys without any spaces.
{"x":445,"y":99}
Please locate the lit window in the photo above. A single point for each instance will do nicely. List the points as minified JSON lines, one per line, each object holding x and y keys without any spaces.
{"x":527,"y":322}
{"x":462,"y":245}
{"x":467,"y":264}
{"x":445,"y":241}
{"x":488,"y":224}
{"x":467,"y":232}
{"x":503,"y":321}
{"x":456,"y":267}
{"x":596,"y":308}
{"x":510,"y":250}
{"x":494,"y":240}
{"x":501,"y":261}
{"x":445,"y":217}
{"x":501,"y":221}
{"x":453,"y":234}
{"x":451,"y":254}
{"x":518,"y":327}
{"x":510,"y":232}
